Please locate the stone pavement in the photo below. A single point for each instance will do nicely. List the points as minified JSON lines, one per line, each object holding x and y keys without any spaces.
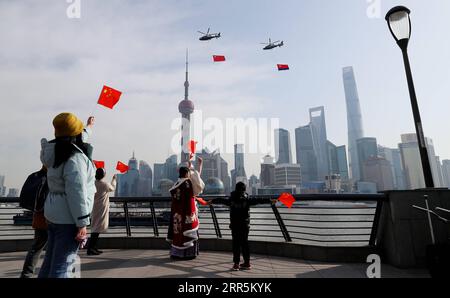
{"x":156,"y":263}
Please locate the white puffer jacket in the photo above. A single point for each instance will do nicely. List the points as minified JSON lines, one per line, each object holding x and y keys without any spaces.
{"x":71,"y":186}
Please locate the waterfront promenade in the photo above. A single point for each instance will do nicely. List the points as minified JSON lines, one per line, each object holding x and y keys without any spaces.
{"x":156,"y":264}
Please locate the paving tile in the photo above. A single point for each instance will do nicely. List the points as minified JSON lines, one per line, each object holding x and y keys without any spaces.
{"x":156,"y":263}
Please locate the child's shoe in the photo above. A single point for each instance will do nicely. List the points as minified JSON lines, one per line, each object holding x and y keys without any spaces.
{"x":245,"y":266}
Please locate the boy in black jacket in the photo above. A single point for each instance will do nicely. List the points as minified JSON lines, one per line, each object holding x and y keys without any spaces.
{"x":239,"y":204}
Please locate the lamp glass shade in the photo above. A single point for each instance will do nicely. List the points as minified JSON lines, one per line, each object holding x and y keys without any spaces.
{"x":400,"y":25}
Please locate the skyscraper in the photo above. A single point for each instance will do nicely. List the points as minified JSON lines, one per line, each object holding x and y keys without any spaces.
{"x":305,"y":153}
{"x":128,"y":183}
{"x":412,"y":165}
{"x":267,"y":176}
{"x":13,"y":193}
{"x":186,"y":108}
{"x":440,"y":174}
{"x":253,"y":184}
{"x":288,"y":174}
{"x":214,"y":166}
{"x":225,"y":176}
{"x":319,"y":133}
{"x":354,"y":120}
{"x":394,"y":157}
{"x":337,"y":162}
{"x":446,"y":172}
{"x":145,"y":179}
{"x":411,"y":161}
{"x":341,"y":152}
{"x":282,"y":146}
{"x":378,"y":170}
{"x":158,"y":175}
{"x":333,"y":164}
{"x":239,"y":167}
{"x":366,"y":148}
{"x":2,"y":186}
{"x":171,"y":168}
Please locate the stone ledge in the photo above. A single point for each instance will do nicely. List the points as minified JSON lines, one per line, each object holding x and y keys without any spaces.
{"x":279,"y":249}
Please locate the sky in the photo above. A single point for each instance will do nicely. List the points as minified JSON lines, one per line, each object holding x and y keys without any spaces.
{"x":50,"y":63}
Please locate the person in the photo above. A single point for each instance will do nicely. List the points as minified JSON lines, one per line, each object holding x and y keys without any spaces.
{"x":183,"y":227}
{"x":39,"y":225}
{"x":100,"y":212}
{"x":239,"y":203}
{"x":67,"y":209}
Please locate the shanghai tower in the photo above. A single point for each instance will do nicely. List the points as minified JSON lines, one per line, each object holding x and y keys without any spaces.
{"x":354,"y":121}
{"x":186,"y":108}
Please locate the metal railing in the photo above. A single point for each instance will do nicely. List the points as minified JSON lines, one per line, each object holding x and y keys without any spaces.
{"x":318,"y":220}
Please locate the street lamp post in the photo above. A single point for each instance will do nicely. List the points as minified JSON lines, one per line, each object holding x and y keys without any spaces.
{"x":400,"y":26}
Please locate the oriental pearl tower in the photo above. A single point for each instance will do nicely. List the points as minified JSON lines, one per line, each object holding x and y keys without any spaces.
{"x":186,"y":108}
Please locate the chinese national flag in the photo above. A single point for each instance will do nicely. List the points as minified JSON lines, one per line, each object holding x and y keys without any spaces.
{"x":121,"y":167}
{"x":282,"y":67}
{"x":201,"y":201}
{"x":218,"y":58}
{"x":99,"y":164}
{"x":109,"y":97}
{"x":192,"y":145}
{"x":287,"y":199}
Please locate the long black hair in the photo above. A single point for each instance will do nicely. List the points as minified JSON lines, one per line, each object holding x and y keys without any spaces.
{"x":65,"y":148}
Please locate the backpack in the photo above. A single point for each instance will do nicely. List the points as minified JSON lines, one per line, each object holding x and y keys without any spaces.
{"x":34,"y":192}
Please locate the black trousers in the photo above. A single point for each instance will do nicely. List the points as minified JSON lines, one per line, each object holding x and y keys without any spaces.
{"x":32,"y":258}
{"x":92,"y":243}
{"x":240,"y":244}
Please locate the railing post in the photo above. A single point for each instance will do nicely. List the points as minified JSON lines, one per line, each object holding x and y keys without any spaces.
{"x":280,"y":221}
{"x":376,"y":222}
{"x":154,"y":220}
{"x":127,"y":219}
{"x":215,"y":222}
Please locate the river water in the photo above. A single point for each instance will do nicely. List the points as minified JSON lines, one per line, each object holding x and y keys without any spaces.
{"x":320,"y":223}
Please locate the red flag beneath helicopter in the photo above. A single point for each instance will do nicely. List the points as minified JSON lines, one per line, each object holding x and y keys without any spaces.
{"x":282,"y":67}
{"x":218,"y":58}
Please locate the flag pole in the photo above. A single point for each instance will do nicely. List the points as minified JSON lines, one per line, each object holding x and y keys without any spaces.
{"x":93,"y":109}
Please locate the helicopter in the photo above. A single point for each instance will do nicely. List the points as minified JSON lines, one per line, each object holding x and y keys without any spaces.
{"x":272,"y":45}
{"x":208,"y":36}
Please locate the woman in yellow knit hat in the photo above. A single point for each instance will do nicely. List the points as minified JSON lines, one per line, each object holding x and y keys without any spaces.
{"x":71,"y":183}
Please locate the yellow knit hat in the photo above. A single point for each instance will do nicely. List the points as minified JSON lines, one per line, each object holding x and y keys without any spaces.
{"x":67,"y":125}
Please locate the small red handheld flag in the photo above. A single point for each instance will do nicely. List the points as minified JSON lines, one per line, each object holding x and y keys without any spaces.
{"x":121,"y":167}
{"x":218,"y":58}
{"x":287,"y":199}
{"x":99,"y":164}
{"x":282,"y":67}
{"x":192,"y":145}
{"x":201,"y":201}
{"x":109,"y":97}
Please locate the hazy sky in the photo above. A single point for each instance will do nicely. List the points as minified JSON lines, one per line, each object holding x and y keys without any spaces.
{"x":51,"y":64}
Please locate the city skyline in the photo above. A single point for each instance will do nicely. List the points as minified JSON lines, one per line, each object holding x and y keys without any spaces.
{"x":67,"y":72}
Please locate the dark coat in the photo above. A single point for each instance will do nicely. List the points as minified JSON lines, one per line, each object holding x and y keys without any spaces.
{"x":239,"y":203}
